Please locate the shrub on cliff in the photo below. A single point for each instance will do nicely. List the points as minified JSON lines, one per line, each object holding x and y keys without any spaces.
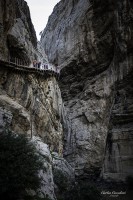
{"x":60,"y":180}
{"x":19,"y":166}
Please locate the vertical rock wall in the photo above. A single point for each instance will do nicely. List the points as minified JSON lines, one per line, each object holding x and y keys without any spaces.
{"x":35,"y":105}
{"x":118,"y":155}
{"x":31,"y":103}
{"x":17,"y":34}
{"x":118,"y":162}
{"x":92,"y":43}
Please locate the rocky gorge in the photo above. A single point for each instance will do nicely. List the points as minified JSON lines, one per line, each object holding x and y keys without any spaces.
{"x":84,"y":119}
{"x":91,"y":41}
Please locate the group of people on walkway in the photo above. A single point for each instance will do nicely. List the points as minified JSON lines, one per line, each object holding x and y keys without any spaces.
{"x":39,"y":65}
{"x":45,"y":66}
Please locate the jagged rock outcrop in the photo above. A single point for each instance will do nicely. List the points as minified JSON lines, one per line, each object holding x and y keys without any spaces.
{"x":119,"y":147}
{"x":57,"y":174}
{"x":92,"y":42}
{"x":72,"y":35}
{"x":63,"y":175}
{"x":47,"y":188}
{"x":34,"y":104}
{"x":31,"y":103}
{"x":17,"y":34}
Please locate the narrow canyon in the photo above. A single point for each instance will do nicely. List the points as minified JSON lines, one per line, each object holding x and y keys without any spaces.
{"x":82,"y":120}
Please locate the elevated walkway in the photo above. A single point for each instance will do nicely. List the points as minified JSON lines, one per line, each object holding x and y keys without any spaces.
{"x":20,"y":66}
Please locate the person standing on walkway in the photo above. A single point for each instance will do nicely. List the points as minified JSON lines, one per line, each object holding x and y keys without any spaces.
{"x":34,"y":63}
{"x":39,"y":65}
{"x":46,"y":66}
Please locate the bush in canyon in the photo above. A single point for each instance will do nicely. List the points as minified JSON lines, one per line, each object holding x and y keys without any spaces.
{"x":60,"y":180}
{"x":19,"y":167}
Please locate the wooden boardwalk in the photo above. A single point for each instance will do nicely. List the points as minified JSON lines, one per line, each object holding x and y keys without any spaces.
{"x":26,"y":69}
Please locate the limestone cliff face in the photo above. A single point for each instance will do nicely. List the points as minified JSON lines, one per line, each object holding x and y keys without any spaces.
{"x":55,"y":169}
{"x":17,"y":34}
{"x":91,"y":41}
{"x":34,"y":105}
{"x":119,"y":146}
{"x":31,"y":103}
{"x":73,"y":34}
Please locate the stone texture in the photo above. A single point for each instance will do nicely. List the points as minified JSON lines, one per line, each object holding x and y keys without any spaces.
{"x":42,"y":57}
{"x":72,"y":34}
{"x":61,"y":164}
{"x":17,"y":113}
{"x":5,"y":118}
{"x":47,"y":188}
{"x":54,"y":166}
{"x":91,"y":41}
{"x":17,"y":34}
{"x":35,"y":105}
{"x":63,"y":175}
{"x":30,"y":103}
{"x":118,"y":163}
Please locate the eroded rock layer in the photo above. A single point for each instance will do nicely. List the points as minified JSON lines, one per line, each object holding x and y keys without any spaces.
{"x":17,"y":34}
{"x":91,"y":41}
{"x":30,"y":101}
{"x":32,"y":104}
{"x":118,"y":163}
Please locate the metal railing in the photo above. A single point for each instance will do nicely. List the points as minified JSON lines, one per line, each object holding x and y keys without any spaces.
{"x":23,"y":65}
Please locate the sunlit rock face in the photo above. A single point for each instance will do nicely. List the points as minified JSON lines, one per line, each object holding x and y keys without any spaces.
{"x":92,"y":42}
{"x":72,"y":34}
{"x":32,"y":105}
{"x":47,"y":186}
{"x":17,"y":34}
{"x":56,"y":173}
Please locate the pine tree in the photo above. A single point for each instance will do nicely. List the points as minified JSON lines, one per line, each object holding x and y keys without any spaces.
{"x":19,"y":166}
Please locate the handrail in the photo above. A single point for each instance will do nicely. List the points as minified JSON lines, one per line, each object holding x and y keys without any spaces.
{"x":21,"y":65}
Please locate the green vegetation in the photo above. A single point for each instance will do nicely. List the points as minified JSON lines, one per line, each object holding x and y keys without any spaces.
{"x":19,"y":166}
{"x":60,"y":180}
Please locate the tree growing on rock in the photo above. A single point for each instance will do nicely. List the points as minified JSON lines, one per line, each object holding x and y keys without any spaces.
{"x":19,"y":167}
